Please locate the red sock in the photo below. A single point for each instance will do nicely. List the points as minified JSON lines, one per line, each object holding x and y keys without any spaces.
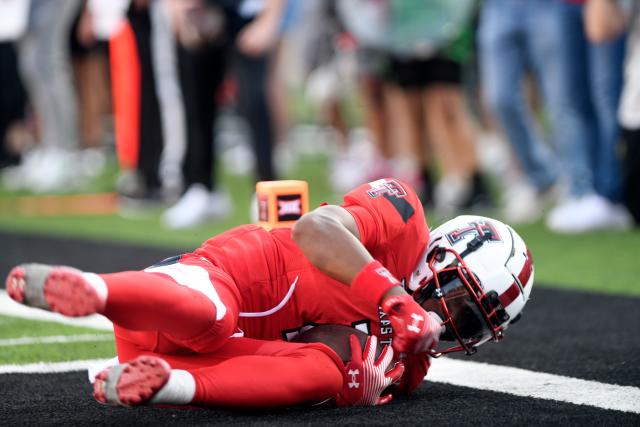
{"x":145,"y":301}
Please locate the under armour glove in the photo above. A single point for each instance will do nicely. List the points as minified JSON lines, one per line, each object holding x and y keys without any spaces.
{"x":366,"y":377}
{"x":414,"y":330}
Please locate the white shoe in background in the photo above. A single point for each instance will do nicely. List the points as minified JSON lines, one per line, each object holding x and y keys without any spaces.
{"x":449,"y":194}
{"x":588,"y":213}
{"x":197,"y":206}
{"x":45,"y":170}
{"x":523,"y":204}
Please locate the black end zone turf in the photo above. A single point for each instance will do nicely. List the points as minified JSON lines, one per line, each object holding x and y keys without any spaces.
{"x":65,"y":399}
{"x":577,"y":334}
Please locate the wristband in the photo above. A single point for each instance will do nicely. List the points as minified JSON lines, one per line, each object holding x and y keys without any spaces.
{"x":373,"y":281}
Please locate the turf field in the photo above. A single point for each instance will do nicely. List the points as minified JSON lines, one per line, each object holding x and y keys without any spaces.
{"x":581,"y":325}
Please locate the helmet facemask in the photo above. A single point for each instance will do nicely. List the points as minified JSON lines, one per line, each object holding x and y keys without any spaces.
{"x":470,"y":316}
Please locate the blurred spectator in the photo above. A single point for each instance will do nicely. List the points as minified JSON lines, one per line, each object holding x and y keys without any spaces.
{"x":208,"y":33}
{"x":45,"y":67}
{"x":139,"y":138}
{"x":328,"y":53}
{"x":90,"y":68}
{"x":427,"y":46}
{"x":604,"y":23}
{"x":544,"y":38}
{"x":445,"y":130}
{"x":12,"y":106}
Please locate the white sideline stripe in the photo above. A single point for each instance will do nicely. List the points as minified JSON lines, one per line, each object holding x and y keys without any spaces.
{"x":483,"y":376}
{"x":9,"y":307}
{"x":521,"y":382}
{"x":49,"y":368}
{"x":55,"y":339}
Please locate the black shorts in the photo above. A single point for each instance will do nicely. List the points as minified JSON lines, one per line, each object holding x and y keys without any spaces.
{"x":420,"y":73}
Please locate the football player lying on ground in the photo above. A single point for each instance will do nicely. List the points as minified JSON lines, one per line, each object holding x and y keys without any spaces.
{"x":210,"y":327}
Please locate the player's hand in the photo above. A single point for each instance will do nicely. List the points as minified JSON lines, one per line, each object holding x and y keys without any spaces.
{"x":366,"y":377}
{"x":414,"y":330}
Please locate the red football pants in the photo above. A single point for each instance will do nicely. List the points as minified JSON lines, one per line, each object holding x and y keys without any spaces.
{"x":252,"y":373}
{"x":186,"y":306}
{"x":186,"y":312}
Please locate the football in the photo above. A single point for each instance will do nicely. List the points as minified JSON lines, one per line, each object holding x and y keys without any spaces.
{"x":337,"y":338}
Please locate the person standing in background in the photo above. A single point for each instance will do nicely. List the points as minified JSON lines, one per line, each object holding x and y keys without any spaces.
{"x":45,"y":68}
{"x":426,"y":47}
{"x":604,"y":22}
{"x":208,"y":33}
{"x":542,"y":38}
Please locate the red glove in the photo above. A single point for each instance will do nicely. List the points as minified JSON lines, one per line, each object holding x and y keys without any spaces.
{"x":365,"y":377}
{"x":414,"y":330}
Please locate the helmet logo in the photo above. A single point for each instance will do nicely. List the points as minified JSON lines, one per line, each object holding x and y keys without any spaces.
{"x":481,"y":228}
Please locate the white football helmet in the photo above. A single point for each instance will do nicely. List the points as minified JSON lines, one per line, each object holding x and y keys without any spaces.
{"x":477,"y":275}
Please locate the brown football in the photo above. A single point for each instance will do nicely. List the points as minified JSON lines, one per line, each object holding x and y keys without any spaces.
{"x":336,"y":337}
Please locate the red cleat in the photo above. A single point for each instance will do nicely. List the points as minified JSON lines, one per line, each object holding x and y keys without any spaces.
{"x":15,"y":284}
{"x":64,"y":290}
{"x":132,"y":383}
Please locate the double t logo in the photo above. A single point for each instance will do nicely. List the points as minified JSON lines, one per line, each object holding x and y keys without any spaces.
{"x":482,"y":228}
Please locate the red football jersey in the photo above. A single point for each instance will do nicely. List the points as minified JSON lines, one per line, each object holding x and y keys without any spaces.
{"x":283,"y":293}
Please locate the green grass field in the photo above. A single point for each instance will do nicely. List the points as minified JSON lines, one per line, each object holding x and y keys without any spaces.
{"x":603,"y":261}
{"x":606,"y":262}
{"x":100,"y":347}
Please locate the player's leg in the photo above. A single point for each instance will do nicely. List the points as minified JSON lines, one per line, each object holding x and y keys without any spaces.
{"x":243,"y":373}
{"x":278,"y":374}
{"x":190,"y":301}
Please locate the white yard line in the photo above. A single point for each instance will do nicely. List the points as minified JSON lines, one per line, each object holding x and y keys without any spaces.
{"x":521,"y":382}
{"x":483,"y":376}
{"x":55,"y":339}
{"x":9,"y":307}
{"x":48,"y":368}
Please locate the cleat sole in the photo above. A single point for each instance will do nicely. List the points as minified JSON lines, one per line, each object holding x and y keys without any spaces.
{"x":15,"y":284}
{"x":67,"y":292}
{"x":135,"y":382}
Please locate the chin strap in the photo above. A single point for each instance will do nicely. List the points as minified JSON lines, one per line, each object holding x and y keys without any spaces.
{"x":474,"y":244}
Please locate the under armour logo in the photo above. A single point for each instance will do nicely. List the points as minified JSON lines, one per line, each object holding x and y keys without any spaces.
{"x":415,"y":321}
{"x":354,"y":374}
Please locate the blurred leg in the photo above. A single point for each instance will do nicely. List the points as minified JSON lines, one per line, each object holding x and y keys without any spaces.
{"x":46,"y":70}
{"x":631,"y":172}
{"x":450,"y":130}
{"x":252,"y":76}
{"x":375,"y":117}
{"x":163,"y":45}
{"x":201,"y":73}
{"x":606,"y":62}
{"x":403,"y":109}
{"x":151,"y":137}
{"x":502,"y":62}
{"x":558,"y":53}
